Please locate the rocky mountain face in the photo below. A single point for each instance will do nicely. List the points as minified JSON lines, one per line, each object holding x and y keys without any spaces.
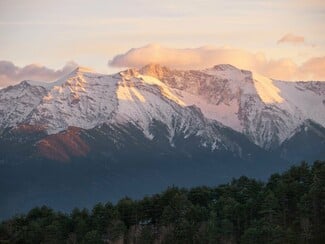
{"x":140,"y":130}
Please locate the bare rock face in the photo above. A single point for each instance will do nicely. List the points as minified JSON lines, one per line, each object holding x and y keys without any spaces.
{"x":155,"y":70}
{"x":63,"y":146}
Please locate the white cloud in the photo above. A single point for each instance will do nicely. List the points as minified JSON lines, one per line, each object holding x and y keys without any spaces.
{"x":203,"y":57}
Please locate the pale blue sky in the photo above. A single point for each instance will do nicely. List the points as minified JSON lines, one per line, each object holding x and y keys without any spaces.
{"x":93,"y":32}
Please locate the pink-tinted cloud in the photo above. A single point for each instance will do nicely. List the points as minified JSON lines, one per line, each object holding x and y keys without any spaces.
{"x":184,"y":58}
{"x":11,"y":74}
{"x":203,"y":57}
{"x":314,"y":66}
{"x":291,"y":39}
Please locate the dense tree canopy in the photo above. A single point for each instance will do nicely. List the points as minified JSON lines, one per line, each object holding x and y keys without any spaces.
{"x":289,"y":208}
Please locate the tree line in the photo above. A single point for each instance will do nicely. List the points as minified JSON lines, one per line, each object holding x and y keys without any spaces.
{"x":288,"y":208}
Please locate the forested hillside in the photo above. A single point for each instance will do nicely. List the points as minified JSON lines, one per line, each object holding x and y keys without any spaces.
{"x":288,"y":208}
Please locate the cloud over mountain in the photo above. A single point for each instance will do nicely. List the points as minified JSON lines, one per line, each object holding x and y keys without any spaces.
{"x":207,"y":56}
{"x":11,"y":74}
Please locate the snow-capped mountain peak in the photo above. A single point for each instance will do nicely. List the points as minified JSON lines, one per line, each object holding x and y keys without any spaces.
{"x":266,"y":111}
{"x":17,"y":102}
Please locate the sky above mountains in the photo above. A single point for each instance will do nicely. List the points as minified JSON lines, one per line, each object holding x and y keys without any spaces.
{"x":280,"y":39}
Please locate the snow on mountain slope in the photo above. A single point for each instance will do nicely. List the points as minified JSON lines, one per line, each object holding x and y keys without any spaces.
{"x":82,"y":99}
{"x":144,"y":99}
{"x":266,"y":111}
{"x":267,"y":91}
{"x":86,"y":99}
{"x":16,"y":102}
{"x":306,"y":97}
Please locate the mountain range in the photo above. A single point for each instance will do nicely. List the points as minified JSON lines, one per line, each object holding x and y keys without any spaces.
{"x":89,"y":137}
